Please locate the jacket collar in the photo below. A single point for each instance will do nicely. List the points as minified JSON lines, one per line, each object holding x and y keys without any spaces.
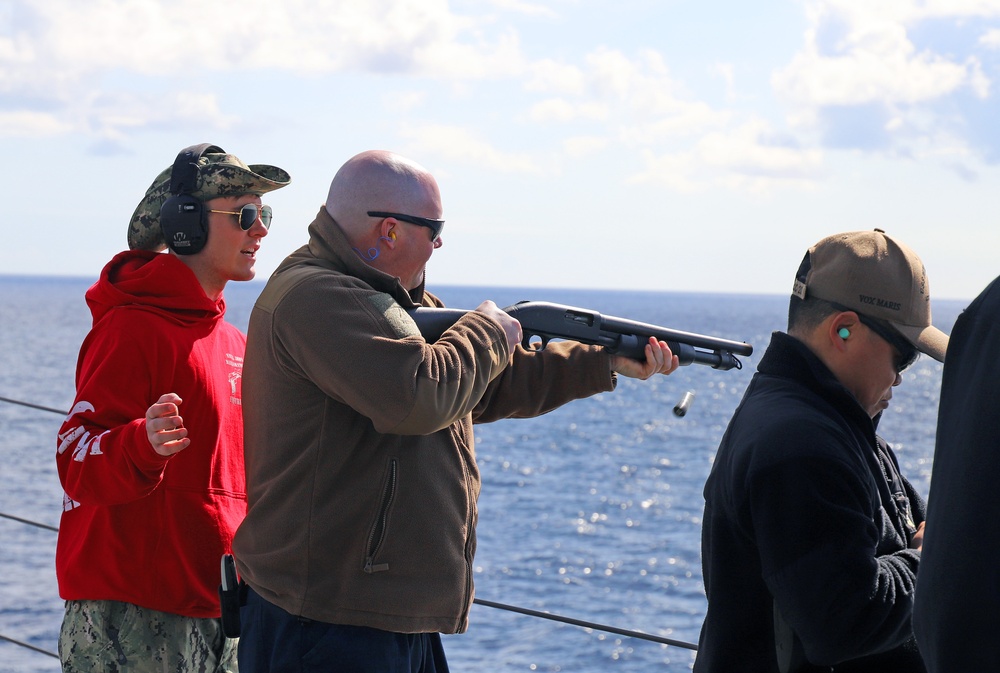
{"x":328,"y":247}
{"x":789,"y":358}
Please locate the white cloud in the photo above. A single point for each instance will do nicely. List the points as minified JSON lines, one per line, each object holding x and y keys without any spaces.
{"x":908,"y":11}
{"x":978,"y":81}
{"x":550,"y":76}
{"x":633,"y":99}
{"x":747,"y":150}
{"x":634,"y":103}
{"x":163,"y":36}
{"x":636,"y":97}
{"x":526,"y":8}
{"x":559,"y":110}
{"x":859,"y":62}
{"x":649,"y":98}
{"x":55,"y":54}
{"x":728,"y":73}
{"x":452,"y":59}
{"x":991,"y":39}
{"x":578,"y":147}
{"x":465,"y":147}
{"x":877,"y":64}
{"x":673,"y":171}
{"x":611,"y":75}
{"x":31,"y":124}
{"x":405,"y":100}
{"x":874,"y":60}
{"x":112,"y":116}
{"x":553,"y":110}
{"x":686,"y":120}
{"x":742,"y":158}
{"x":69,"y":66}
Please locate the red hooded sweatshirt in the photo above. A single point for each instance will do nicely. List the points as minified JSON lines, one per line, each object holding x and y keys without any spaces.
{"x":136,"y":526}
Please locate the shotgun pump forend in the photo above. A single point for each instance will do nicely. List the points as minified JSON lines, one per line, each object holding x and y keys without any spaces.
{"x":544,"y":321}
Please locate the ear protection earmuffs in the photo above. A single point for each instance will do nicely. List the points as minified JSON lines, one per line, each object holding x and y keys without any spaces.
{"x":182,"y":216}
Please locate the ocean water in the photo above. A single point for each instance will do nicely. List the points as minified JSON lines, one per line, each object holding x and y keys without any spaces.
{"x":590,"y":512}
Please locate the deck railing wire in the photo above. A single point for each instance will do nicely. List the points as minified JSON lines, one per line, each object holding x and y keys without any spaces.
{"x":478,"y":601}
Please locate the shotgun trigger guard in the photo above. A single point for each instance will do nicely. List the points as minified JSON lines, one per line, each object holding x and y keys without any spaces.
{"x":538,"y":345}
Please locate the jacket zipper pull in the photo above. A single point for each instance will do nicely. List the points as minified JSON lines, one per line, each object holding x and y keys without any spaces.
{"x":372,"y":568}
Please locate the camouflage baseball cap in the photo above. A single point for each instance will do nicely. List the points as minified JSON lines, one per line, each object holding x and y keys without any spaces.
{"x":219,"y":174}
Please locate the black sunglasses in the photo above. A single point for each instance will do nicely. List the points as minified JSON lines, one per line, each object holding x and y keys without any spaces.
{"x":248,"y":215}
{"x":436,"y":226}
{"x":907,"y":352}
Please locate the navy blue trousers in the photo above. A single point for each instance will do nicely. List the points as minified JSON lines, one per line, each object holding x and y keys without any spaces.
{"x":273,"y":641}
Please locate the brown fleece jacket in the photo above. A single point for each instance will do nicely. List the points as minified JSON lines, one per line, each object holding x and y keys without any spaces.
{"x":361,"y":473}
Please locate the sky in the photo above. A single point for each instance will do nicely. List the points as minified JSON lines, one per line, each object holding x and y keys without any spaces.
{"x":668,"y":145}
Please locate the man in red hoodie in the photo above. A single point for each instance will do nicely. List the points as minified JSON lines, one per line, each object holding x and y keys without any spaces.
{"x":151,"y":454}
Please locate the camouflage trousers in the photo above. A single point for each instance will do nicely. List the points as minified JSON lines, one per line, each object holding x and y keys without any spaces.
{"x":116,"y":637}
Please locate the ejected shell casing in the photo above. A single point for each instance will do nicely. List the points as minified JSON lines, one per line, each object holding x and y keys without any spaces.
{"x":682,"y":407}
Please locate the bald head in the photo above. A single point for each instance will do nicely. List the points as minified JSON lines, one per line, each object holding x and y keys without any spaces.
{"x":380,"y":180}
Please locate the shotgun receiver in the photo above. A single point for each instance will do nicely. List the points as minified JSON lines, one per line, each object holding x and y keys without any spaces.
{"x":545,"y":321}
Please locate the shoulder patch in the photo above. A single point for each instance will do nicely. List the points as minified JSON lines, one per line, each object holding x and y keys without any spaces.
{"x":397,"y":317}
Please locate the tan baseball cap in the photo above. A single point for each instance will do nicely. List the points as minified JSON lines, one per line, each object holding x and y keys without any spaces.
{"x":875,"y":274}
{"x":218,"y":174}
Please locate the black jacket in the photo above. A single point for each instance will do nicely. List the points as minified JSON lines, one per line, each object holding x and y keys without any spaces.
{"x":807,"y":522}
{"x":957,"y":613}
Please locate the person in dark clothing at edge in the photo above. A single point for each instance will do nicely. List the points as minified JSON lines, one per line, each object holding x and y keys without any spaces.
{"x":811,"y":536}
{"x":957,"y":607}
{"x":361,"y":473}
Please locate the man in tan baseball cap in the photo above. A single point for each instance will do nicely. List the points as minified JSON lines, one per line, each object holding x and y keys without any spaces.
{"x":811,"y":536}
{"x":879,"y":277}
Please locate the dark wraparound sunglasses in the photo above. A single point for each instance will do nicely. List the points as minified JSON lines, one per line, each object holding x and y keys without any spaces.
{"x":436,"y":226}
{"x":248,"y":215}
{"x":907,"y":352}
